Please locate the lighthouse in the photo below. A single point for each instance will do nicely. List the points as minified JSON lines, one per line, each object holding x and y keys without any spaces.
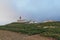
{"x":20,"y":20}
{"x":20,"y":17}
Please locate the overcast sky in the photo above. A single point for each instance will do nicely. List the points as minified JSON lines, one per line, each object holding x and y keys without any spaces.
{"x":38,"y":10}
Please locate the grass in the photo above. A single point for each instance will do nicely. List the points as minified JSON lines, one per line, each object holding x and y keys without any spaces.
{"x":32,"y":29}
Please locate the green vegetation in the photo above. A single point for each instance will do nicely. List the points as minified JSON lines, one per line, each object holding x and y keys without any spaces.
{"x":49,"y":29}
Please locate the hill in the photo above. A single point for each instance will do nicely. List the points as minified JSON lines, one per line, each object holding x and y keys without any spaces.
{"x":49,"y":29}
{"x":8,"y":35}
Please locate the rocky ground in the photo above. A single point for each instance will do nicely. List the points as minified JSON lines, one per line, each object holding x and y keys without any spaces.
{"x":8,"y":35}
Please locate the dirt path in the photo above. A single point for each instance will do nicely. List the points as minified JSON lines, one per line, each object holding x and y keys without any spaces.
{"x":8,"y":35}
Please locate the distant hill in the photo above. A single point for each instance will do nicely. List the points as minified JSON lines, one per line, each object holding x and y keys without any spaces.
{"x":56,"y":23}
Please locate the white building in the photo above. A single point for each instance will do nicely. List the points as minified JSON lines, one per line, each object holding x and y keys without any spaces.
{"x":22,"y":20}
{"x":33,"y":22}
{"x":25,"y":21}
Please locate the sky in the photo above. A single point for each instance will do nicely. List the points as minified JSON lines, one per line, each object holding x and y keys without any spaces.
{"x":38,"y":10}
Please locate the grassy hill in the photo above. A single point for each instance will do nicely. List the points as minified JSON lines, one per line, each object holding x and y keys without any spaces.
{"x":49,"y":29}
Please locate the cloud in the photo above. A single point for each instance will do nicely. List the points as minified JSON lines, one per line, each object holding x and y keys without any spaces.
{"x":6,"y":11}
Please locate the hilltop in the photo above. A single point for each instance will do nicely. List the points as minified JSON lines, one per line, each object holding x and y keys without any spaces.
{"x":48,"y":29}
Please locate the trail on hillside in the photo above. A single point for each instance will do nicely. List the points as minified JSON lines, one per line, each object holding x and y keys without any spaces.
{"x":8,"y":35}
